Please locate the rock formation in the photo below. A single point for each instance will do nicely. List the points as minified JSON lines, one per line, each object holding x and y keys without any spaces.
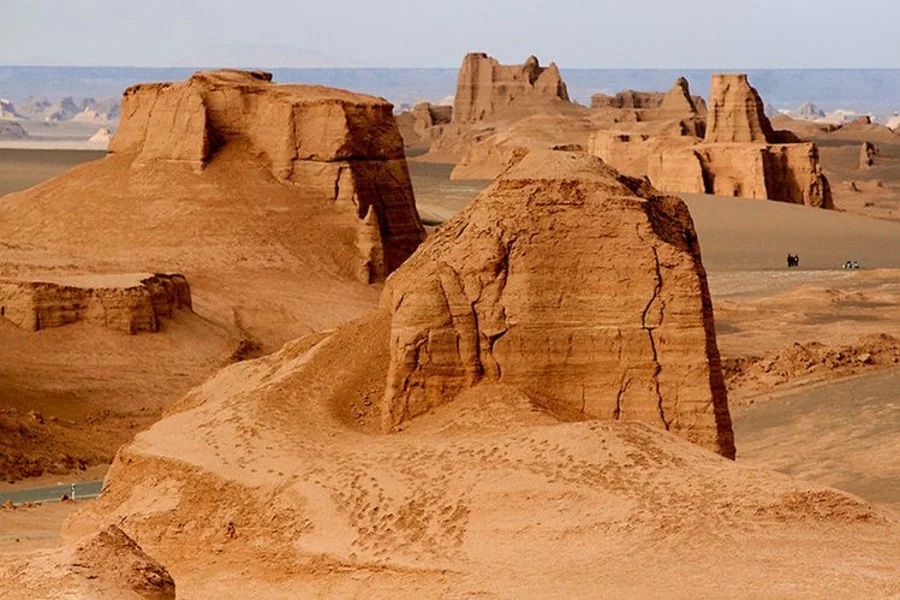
{"x":736,"y":113}
{"x":867,"y":154}
{"x":740,"y":155}
{"x":101,"y":137}
{"x":676,"y":99}
{"x":484,"y":86}
{"x":343,"y":146}
{"x":127,"y":303}
{"x":578,"y":286}
{"x":10,"y":130}
{"x":424,"y":123}
{"x":107,"y":564}
{"x":8,"y":111}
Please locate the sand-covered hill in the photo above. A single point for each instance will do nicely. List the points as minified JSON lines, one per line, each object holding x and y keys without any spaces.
{"x":292,"y":487}
{"x":279,"y":205}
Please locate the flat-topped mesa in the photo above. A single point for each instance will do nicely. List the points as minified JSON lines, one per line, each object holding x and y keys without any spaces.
{"x":737,"y":113}
{"x":126,"y":303}
{"x":333,"y":144}
{"x":580,"y":287}
{"x":484,"y":86}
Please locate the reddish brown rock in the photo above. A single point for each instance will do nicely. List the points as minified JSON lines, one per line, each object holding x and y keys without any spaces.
{"x":580,"y":287}
{"x":484,"y":86}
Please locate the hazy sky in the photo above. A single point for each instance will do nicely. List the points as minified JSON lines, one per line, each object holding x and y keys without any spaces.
{"x":422,"y":33}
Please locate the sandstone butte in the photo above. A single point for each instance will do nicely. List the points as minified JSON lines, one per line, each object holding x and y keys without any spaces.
{"x":582,"y":288}
{"x":739,"y":155}
{"x":340,"y":466}
{"x":130,"y":304}
{"x":259,"y":193}
{"x":489,"y":94}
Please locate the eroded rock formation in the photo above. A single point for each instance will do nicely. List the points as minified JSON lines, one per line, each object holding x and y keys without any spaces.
{"x":127,"y":303}
{"x":341,"y":146}
{"x":736,"y":112}
{"x":867,"y":154}
{"x":740,"y":155}
{"x":108,"y":564}
{"x":484,"y":86}
{"x":579,"y":286}
{"x":677,"y":99}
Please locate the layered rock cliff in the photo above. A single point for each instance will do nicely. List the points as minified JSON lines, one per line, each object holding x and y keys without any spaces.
{"x":740,"y":155}
{"x":128,"y":303}
{"x":343,"y":147}
{"x":484,"y":86}
{"x":578,"y":286}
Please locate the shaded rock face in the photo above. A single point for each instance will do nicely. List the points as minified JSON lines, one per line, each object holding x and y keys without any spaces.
{"x":736,"y":112}
{"x":580,"y":287}
{"x":129,"y":308}
{"x":10,"y":130}
{"x":867,"y":154}
{"x":484,"y":86}
{"x":342,"y":146}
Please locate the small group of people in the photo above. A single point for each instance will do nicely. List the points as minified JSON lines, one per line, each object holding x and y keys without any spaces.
{"x":793,"y":260}
{"x":851,"y":264}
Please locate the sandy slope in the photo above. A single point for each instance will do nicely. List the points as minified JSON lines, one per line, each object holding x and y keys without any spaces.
{"x":284,"y":491}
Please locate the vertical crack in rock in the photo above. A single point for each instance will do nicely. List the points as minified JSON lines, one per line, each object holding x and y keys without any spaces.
{"x":623,"y":387}
{"x":657,"y":366}
{"x":337,"y":183}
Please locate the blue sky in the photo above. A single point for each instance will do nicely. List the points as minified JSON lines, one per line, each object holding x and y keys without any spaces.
{"x":406,"y":33}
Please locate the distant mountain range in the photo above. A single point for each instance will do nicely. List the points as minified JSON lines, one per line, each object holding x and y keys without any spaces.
{"x":865,"y":91}
{"x":39,"y":108}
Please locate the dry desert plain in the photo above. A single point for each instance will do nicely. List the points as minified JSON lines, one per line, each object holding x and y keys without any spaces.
{"x":810,"y":356}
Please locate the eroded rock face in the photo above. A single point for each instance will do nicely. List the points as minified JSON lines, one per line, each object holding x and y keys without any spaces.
{"x":342,"y":146}
{"x":740,"y":156}
{"x":129,"y":303}
{"x":579,"y":286}
{"x":736,"y":112}
{"x":677,"y":99}
{"x":108,"y":564}
{"x":484,"y":86}
{"x":867,"y":154}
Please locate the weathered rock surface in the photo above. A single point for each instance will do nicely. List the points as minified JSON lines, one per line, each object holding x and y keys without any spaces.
{"x":129,"y":303}
{"x":581,"y":287}
{"x":867,"y":154}
{"x":107,"y":564}
{"x":741,"y":154}
{"x":736,"y":112}
{"x":484,"y":86}
{"x":345,"y":147}
{"x":676,"y":99}
{"x":424,"y":123}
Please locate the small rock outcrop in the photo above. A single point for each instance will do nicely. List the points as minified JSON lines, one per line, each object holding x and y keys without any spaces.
{"x":484,"y":86}
{"x":580,"y":287}
{"x":108,"y":564}
{"x":867,"y":154}
{"x":341,"y":146}
{"x":126,"y":303}
{"x":677,"y":99}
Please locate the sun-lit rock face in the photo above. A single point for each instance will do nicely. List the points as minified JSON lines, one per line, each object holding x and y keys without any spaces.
{"x":579,"y":286}
{"x":484,"y":86}
{"x":337,"y":145}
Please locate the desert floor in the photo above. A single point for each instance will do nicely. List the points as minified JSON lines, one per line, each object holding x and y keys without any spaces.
{"x":838,"y":433}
